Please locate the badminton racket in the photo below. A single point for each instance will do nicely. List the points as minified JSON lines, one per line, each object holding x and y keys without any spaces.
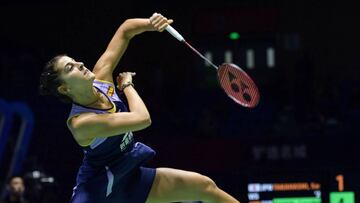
{"x":235,"y":82}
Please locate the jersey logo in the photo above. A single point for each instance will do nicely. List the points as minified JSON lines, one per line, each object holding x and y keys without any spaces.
{"x":127,"y":139}
{"x":110,"y":91}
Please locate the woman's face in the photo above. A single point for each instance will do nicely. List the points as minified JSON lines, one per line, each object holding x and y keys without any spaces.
{"x":73,"y":73}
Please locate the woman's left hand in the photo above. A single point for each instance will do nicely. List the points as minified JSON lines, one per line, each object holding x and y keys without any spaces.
{"x":159,"y":22}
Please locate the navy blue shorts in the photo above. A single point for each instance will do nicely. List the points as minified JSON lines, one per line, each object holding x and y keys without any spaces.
{"x":107,"y":188}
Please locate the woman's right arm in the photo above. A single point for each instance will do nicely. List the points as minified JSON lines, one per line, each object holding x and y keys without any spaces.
{"x":88,"y":126}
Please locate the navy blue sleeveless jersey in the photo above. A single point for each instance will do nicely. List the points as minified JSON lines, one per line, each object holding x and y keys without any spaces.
{"x":112,"y":170}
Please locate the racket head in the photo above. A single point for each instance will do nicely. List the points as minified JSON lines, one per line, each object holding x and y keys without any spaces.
{"x":238,"y":85}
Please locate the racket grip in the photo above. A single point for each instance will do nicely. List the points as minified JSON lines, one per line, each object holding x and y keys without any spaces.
{"x":174,"y":33}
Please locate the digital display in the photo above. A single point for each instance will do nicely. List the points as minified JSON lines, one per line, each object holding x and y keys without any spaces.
{"x":284,"y":192}
{"x":301,"y":188}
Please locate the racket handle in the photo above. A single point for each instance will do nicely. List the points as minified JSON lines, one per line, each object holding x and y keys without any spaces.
{"x":174,"y":33}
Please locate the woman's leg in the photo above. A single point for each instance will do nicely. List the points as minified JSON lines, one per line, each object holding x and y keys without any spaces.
{"x":171,"y":185}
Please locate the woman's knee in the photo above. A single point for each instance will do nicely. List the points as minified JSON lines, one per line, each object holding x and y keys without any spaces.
{"x":207,"y":185}
{"x":195,"y":181}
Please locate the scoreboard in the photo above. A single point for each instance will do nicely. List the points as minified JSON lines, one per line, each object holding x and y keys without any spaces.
{"x":303,"y":188}
{"x":284,"y":192}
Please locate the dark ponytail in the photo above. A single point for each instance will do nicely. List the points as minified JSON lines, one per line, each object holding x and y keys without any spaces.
{"x":50,"y":81}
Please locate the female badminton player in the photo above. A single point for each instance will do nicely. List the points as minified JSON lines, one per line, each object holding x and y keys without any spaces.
{"x":112,"y":169}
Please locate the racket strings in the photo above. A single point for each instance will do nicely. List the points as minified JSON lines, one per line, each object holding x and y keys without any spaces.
{"x":238,"y":85}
